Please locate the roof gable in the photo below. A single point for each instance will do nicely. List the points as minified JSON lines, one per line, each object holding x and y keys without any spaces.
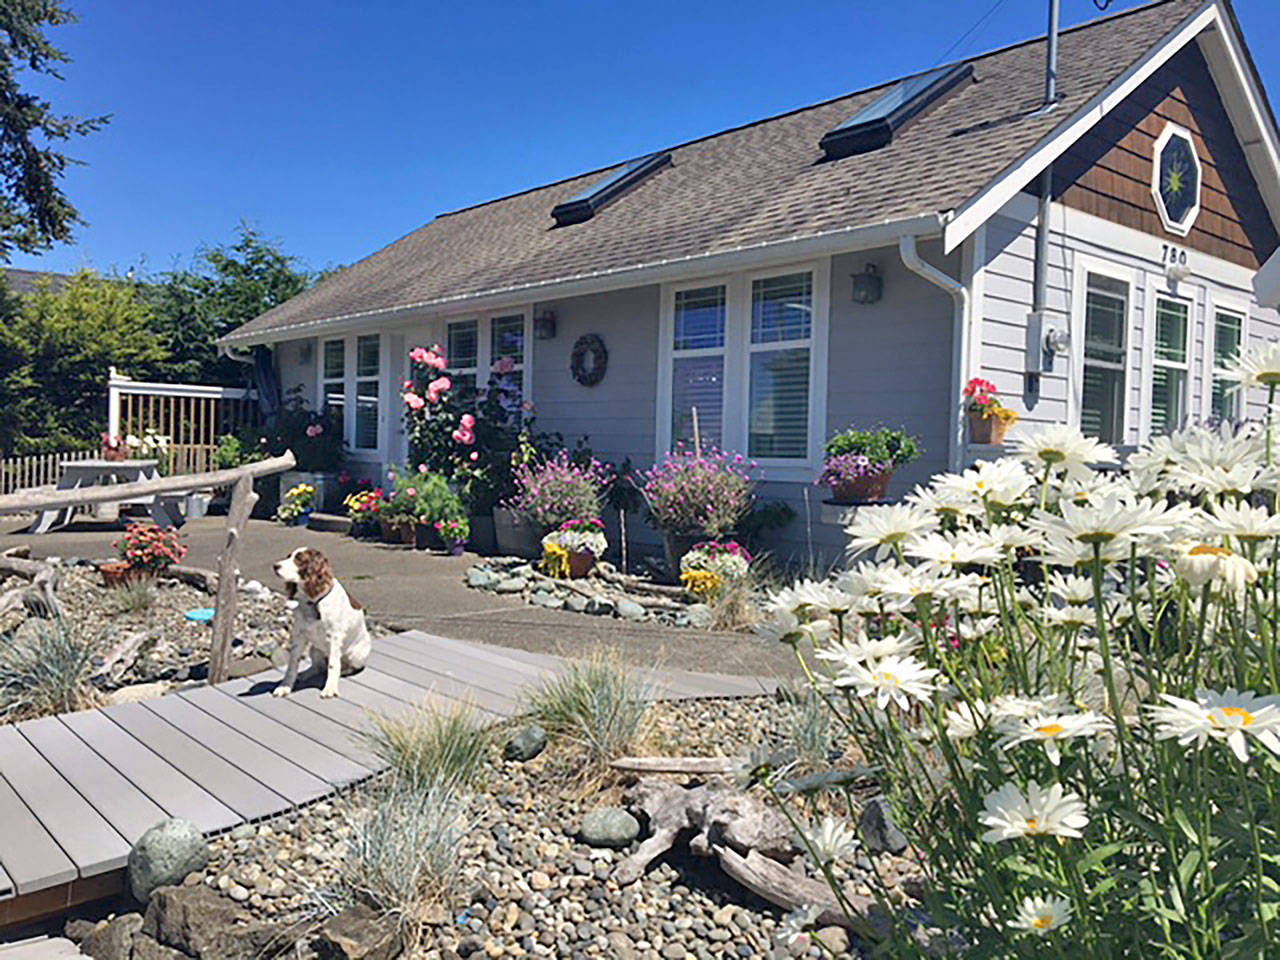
{"x":761,"y":184}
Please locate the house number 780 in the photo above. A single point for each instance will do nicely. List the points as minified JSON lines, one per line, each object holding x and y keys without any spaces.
{"x":1170,"y":254}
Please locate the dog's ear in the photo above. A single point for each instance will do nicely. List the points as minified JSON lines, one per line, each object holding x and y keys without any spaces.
{"x":290,"y":589}
{"x":315,"y":572}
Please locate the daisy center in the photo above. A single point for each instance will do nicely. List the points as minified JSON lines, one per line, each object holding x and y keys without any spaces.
{"x":1239,"y":714}
{"x":1050,"y":729}
{"x":1052,"y":456}
{"x":1204,"y":550}
{"x":888,"y":679}
{"x":1033,"y":825}
{"x":1269,"y":377}
{"x":1043,"y":921}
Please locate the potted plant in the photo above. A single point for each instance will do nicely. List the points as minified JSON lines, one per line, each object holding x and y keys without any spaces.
{"x":113,"y":448}
{"x":549,"y":493}
{"x":571,"y":550}
{"x":400,"y":508}
{"x":145,"y":550}
{"x":362,"y":507}
{"x":296,"y":507}
{"x":711,"y":566}
{"x":453,"y":533}
{"x":694,"y":496}
{"x":860,"y":462}
{"x":989,"y":419}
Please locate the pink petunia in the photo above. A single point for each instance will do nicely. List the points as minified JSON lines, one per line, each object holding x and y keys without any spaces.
{"x":413,"y":401}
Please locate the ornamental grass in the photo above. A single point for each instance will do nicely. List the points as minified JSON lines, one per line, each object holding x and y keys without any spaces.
{"x":1069,"y":679}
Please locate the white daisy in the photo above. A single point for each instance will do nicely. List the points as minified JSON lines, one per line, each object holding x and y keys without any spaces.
{"x":943,"y":551}
{"x":1103,"y":519}
{"x":1201,"y":563}
{"x":883,"y":526}
{"x":1239,"y":520}
{"x":808,"y":596}
{"x":1063,"y":449}
{"x":900,"y":679}
{"x":1038,"y":915}
{"x":1051,"y":729}
{"x":1043,"y":811}
{"x":1070,"y":588}
{"x":1072,"y":615}
{"x":1230,"y":716}
{"x":966,"y":720}
{"x":1256,"y":366}
{"x":1003,"y":482}
{"x":868,"y":649}
{"x":785,"y":627}
{"x":833,"y":840}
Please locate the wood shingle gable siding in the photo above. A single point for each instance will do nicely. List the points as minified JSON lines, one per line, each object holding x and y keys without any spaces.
{"x":1107,"y":173}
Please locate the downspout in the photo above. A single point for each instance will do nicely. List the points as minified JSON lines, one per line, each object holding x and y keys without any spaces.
{"x":959,"y":340}
{"x":231,"y":353}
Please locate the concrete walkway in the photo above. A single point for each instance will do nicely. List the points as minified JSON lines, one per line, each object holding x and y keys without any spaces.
{"x":407,"y":589}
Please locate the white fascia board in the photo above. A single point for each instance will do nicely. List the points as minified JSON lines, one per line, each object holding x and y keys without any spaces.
{"x":1266,"y":282}
{"x":984,"y":205}
{"x":844,"y":240}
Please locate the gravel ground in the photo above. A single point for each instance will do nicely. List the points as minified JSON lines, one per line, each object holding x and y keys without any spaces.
{"x":526,"y":885}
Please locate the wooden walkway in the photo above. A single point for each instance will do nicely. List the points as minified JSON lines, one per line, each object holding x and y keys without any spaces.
{"x":77,"y":790}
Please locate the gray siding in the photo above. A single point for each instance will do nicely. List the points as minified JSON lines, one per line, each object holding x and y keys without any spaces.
{"x":296,"y":363}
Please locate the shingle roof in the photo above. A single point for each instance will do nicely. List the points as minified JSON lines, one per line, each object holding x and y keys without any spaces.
{"x":747,"y":186}
{"x":23,"y":282}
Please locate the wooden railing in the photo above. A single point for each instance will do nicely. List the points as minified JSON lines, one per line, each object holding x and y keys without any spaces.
{"x":37,"y":469}
{"x":192,"y":416}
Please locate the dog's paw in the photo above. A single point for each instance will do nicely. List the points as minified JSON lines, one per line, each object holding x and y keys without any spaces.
{"x":330,"y":690}
{"x":281,"y":691}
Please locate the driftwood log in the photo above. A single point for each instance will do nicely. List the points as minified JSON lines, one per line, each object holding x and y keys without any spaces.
{"x":38,"y":595}
{"x":752,"y":841}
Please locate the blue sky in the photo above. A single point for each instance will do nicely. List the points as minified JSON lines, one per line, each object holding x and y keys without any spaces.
{"x":337,"y":127}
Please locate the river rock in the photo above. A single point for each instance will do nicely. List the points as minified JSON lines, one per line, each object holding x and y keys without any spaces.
{"x":630,"y":610}
{"x":112,"y":940}
{"x":878,"y":830}
{"x":164,"y":855}
{"x":358,"y":933}
{"x":609,"y":827}
{"x":526,"y":744}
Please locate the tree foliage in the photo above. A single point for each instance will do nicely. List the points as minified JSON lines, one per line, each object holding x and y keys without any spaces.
{"x":34,"y":212}
{"x":56,"y":346}
{"x":228,"y":286}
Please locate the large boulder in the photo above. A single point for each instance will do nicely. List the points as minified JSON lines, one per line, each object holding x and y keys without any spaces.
{"x":358,"y":933}
{"x":201,"y":924}
{"x":164,"y":855}
{"x":112,"y":939}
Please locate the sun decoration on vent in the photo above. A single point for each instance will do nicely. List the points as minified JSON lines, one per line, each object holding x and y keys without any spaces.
{"x":1175,"y":179}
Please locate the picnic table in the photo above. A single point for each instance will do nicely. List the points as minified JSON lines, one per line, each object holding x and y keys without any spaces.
{"x":166,"y":510}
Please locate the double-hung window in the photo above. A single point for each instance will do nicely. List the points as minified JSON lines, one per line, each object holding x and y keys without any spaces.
{"x":1228,"y":335}
{"x":778,"y":396}
{"x":351,"y":387}
{"x":697,"y":366}
{"x":477,"y":349}
{"x":1106,"y":318}
{"x":463,"y":356}
{"x":506,"y":357}
{"x":1169,"y":366}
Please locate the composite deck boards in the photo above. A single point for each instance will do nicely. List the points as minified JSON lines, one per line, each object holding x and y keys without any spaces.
{"x":167,"y":786}
{"x":311,"y":756}
{"x":42,"y":948}
{"x":91,"y":843}
{"x":6,"y":885}
{"x":108,"y":791}
{"x":267,"y":767}
{"x":239,"y":791}
{"x":505,"y":678}
{"x":416,"y":685}
{"x":31,"y":857}
{"x":322,"y":726}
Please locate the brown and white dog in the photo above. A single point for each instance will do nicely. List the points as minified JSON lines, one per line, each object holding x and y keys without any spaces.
{"x":326,"y":619}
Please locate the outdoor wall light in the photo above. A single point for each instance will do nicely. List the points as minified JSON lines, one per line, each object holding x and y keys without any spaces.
{"x":867,"y":286}
{"x":544,"y":325}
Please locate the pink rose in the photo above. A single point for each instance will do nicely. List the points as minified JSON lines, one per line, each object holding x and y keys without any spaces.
{"x":412,"y":491}
{"x":475,"y":455}
{"x":314,"y":430}
{"x":413,"y":401}
{"x":468,"y":421}
{"x":422,"y":468}
{"x":464,"y":437}
{"x":419,"y":355}
{"x":434,"y":360}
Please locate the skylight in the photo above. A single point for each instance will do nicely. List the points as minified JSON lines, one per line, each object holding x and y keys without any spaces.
{"x":584,"y":205}
{"x":875,"y":124}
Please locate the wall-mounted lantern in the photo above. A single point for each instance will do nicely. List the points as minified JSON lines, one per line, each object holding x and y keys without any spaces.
{"x":867,"y":286}
{"x":544,"y":325}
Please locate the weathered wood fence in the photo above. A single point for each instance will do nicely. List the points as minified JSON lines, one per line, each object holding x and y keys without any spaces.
{"x":37,"y":469}
{"x":192,"y":416}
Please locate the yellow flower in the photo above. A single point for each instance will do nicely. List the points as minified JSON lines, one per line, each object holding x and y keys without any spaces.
{"x":555,"y":560}
{"x":703,"y":584}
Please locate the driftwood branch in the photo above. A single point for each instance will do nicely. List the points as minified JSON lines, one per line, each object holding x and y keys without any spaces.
{"x":224,"y":619}
{"x":39,"y":597}
{"x":26,"y":501}
{"x":696,"y":765}
{"x":790,"y":890}
{"x":120,"y":658}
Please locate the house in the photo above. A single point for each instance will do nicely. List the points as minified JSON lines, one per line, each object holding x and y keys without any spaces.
{"x":857,"y":262}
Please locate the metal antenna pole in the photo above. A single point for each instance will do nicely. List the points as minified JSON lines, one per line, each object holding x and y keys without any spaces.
{"x":1051,"y":64}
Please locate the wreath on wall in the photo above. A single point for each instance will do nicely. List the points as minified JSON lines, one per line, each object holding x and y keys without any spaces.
{"x":589,"y":360}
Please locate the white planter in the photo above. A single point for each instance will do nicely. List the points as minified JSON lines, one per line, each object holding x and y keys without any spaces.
{"x":326,"y":485}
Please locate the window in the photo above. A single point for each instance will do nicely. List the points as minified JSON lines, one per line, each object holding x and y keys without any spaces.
{"x":778,"y":398}
{"x":697,"y":373}
{"x":585,"y":204}
{"x":368,"y":354}
{"x":875,"y":124}
{"x":464,"y":358}
{"x":1228,"y":334}
{"x":334,"y":381}
{"x":1106,"y":319}
{"x":506,"y":350}
{"x":477,"y":349}
{"x":1175,"y":179}
{"x":1169,"y":371}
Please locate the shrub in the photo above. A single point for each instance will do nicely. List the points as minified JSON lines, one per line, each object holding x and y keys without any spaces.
{"x":44,"y":669}
{"x":556,"y":491}
{"x":427,"y":747}
{"x":133,"y":596}
{"x":595,"y":704}
{"x":314,"y":436}
{"x":691,"y":494}
{"x":882,"y":445}
{"x":418,"y":497}
{"x":146,"y":547}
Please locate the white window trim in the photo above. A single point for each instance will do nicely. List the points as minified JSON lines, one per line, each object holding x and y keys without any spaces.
{"x":386,"y":390}
{"x":737,"y":352}
{"x":1237,"y":307}
{"x":484,"y":346}
{"x":1192,"y":299}
{"x":1083,"y":266}
{"x":1170,"y":131}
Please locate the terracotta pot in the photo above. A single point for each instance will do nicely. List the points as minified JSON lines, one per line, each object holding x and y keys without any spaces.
{"x":116,"y":573}
{"x":398,"y":531}
{"x":987,"y":429}
{"x":862,"y":489}
{"x":580,"y":563}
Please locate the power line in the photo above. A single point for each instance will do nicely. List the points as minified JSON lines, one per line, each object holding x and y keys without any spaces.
{"x":981,"y":21}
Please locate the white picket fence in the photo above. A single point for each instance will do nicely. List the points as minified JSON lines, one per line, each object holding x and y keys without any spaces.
{"x":37,"y":469}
